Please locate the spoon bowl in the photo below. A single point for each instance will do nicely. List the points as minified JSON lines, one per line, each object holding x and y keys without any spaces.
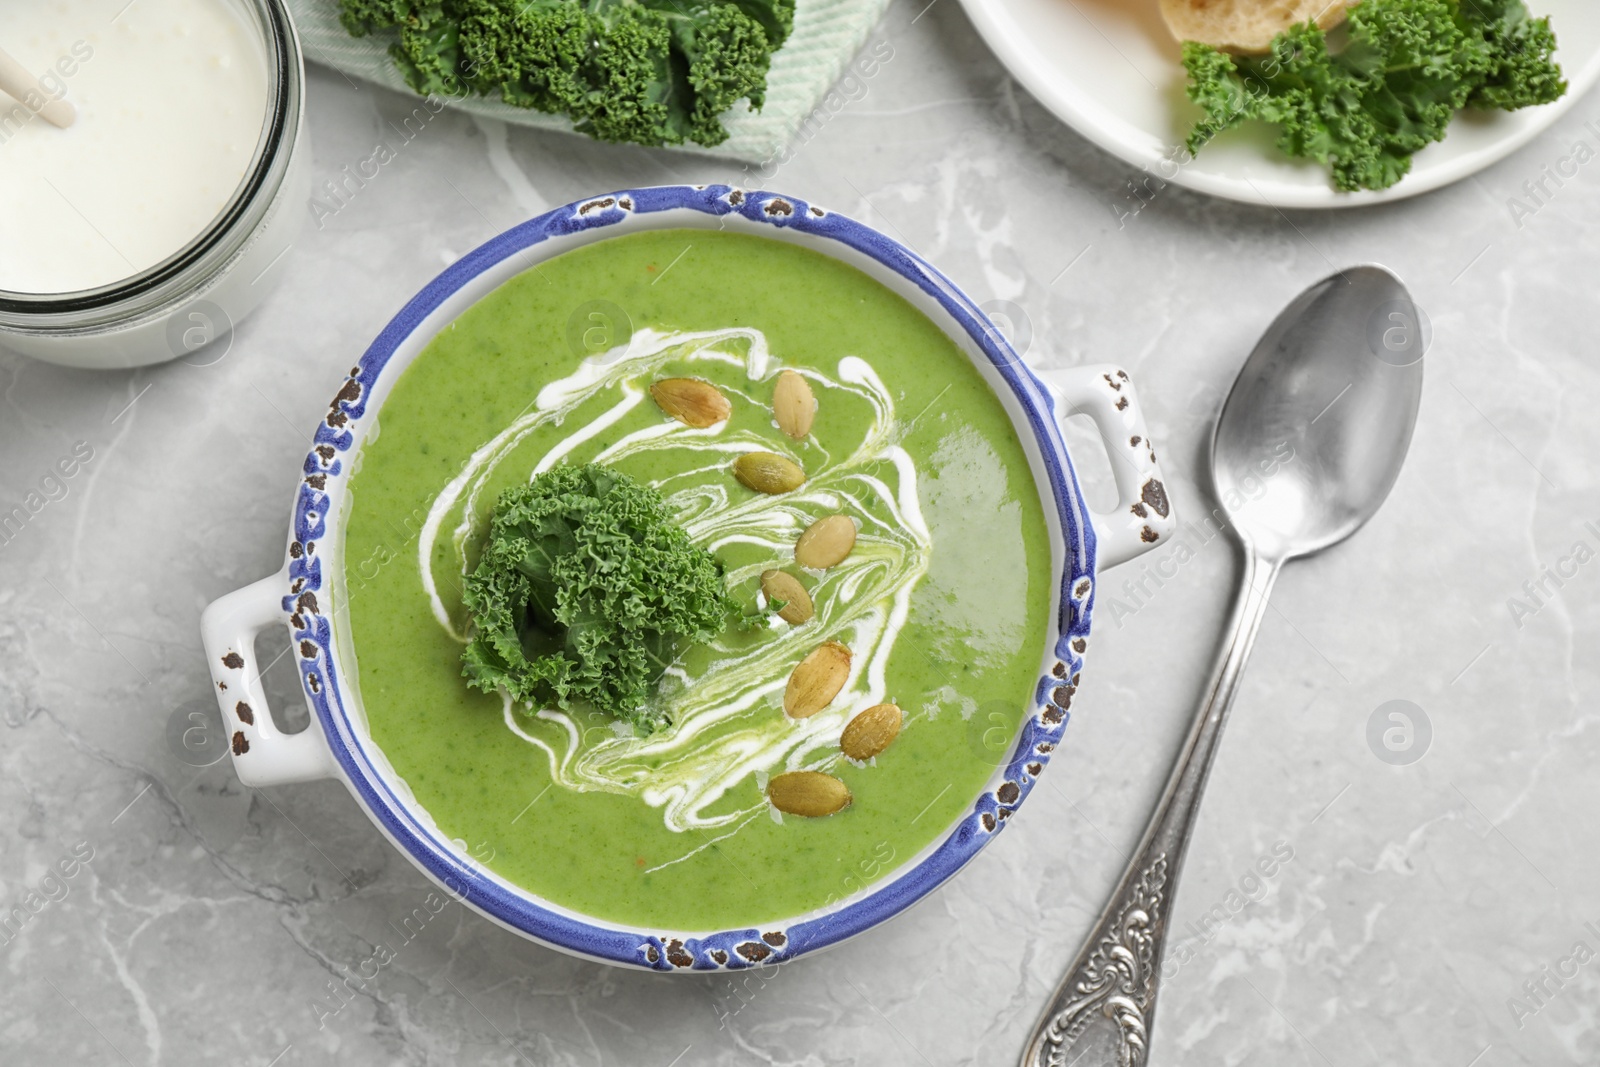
{"x":1317,"y":425}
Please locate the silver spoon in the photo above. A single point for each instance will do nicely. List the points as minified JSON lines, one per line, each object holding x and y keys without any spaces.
{"x":1308,"y":445}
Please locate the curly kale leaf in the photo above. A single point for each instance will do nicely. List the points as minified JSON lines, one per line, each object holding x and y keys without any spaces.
{"x":1404,"y":70}
{"x":728,"y":57}
{"x":582,"y":589}
{"x":652,"y":72}
{"x":1521,"y":72}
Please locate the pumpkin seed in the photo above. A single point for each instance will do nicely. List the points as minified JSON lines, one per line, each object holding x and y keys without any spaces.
{"x":793,"y":404}
{"x":767,"y":472}
{"x":811,"y":794}
{"x":826,"y":542}
{"x":797,"y":607}
{"x":816,"y":680}
{"x":691,"y":401}
{"x":870,"y":732}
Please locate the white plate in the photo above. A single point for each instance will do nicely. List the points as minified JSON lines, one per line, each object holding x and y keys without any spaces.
{"x":1110,"y":70}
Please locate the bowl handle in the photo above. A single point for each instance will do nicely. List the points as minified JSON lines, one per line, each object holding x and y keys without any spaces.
{"x":262,"y":754}
{"x":1144,"y":514}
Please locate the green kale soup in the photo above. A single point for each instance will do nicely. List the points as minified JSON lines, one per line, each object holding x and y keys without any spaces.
{"x":942,"y":603}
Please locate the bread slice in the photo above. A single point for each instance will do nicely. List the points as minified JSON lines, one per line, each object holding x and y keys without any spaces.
{"x":1246,"y":27}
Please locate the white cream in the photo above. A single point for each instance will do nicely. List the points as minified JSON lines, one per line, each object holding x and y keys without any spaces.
{"x":727,"y":723}
{"x":171,"y":98}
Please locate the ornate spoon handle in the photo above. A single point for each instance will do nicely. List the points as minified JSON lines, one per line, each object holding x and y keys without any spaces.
{"x":1107,"y":1000}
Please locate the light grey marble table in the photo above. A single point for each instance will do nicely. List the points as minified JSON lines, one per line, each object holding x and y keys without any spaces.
{"x":1443,"y":912}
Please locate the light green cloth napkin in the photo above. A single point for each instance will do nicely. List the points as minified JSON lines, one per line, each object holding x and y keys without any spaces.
{"x":827,"y":34}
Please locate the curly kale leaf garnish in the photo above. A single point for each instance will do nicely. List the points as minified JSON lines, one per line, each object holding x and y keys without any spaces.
{"x":583,"y":588}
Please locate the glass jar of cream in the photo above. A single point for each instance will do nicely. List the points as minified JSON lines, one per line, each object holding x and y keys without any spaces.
{"x":156,"y":221}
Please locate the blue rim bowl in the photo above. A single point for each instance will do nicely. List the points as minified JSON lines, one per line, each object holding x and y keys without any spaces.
{"x":321,"y":495}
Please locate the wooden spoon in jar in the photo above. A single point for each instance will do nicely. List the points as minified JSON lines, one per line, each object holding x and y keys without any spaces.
{"x":17,"y":83}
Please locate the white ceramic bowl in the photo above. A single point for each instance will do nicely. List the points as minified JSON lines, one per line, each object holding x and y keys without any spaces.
{"x":1110,"y":70}
{"x":302,"y":595}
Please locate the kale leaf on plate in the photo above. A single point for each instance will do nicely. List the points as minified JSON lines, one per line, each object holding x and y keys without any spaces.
{"x":1403,"y":70}
{"x":584,"y":584}
{"x":654,"y":72}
